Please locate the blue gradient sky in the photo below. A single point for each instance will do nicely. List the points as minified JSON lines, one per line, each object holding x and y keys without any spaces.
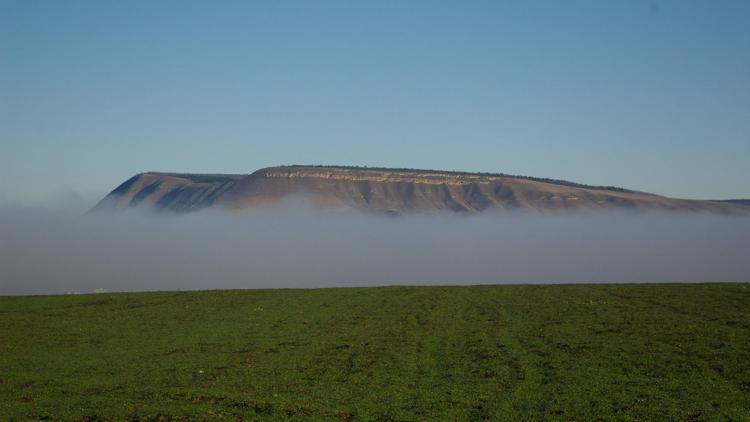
{"x":649,"y":95}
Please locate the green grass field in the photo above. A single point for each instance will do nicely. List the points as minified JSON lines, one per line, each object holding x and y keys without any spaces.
{"x":565,"y":352}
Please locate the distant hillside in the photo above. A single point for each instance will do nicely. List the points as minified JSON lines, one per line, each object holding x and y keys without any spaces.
{"x":737,"y":201}
{"x":382,"y":190}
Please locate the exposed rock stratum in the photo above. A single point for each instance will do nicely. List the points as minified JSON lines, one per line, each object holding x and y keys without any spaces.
{"x":381,"y":190}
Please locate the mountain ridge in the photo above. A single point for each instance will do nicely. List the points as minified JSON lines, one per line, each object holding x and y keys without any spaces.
{"x":389,"y":190}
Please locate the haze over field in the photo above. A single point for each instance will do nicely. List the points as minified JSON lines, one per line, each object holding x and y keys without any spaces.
{"x":45,"y":250}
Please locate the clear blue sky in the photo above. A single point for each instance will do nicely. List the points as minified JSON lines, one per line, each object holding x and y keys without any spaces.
{"x":649,"y":95}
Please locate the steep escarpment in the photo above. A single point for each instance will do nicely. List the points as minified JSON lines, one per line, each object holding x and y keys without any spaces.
{"x":382,"y":190}
{"x":169,"y":191}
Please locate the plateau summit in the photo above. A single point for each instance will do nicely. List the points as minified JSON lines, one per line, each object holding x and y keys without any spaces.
{"x":389,"y":191}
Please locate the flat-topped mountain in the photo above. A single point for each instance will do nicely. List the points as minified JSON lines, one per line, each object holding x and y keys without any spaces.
{"x":383,"y":190}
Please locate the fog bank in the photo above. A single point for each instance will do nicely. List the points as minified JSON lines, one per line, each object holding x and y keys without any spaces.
{"x":46,"y":251}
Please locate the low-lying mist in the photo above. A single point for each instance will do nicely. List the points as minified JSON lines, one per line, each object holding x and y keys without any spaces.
{"x":46,"y":251}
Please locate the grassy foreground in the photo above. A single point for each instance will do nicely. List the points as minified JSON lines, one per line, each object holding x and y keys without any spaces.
{"x":574,"y":352}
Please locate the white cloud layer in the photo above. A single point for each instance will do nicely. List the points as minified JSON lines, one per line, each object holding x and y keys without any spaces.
{"x":44,"y":250}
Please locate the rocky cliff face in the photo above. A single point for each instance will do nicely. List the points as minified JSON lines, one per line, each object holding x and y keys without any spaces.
{"x":387,"y":191}
{"x":168,"y":191}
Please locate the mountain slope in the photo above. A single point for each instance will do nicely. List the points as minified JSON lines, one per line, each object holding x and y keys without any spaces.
{"x":382,"y":190}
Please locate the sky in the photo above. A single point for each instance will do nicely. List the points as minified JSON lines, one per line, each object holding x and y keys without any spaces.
{"x":648,"y":95}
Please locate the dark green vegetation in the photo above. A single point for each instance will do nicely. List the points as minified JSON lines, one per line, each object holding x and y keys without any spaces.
{"x":579,"y":352}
